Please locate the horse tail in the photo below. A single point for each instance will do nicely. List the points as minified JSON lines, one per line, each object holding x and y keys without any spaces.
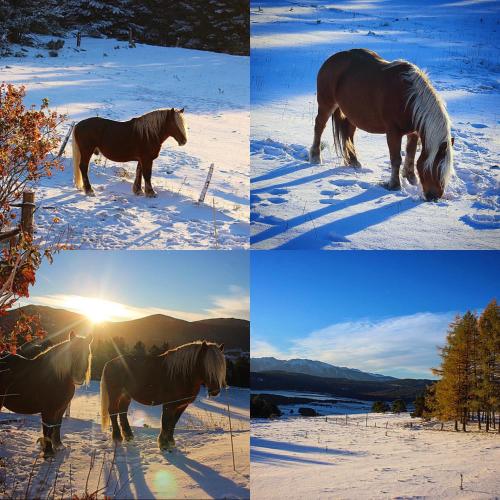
{"x":77,"y":174}
{"x":342,"y":142}
{"x":104,"y":402}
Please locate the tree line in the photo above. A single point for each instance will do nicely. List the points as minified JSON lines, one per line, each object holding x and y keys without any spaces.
{"x":468,"y":390}
{"x":217,"y":25}
{"x":103,"y":350}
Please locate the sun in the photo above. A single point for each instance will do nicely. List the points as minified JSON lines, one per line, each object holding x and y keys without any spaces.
{"x":95,"y":309}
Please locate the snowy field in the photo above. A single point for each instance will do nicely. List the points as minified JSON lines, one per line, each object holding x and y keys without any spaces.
{"x":296,"y":205}
{"x":200,"y":467}
{"x":318,"y":458}
{"x":110,"y":80}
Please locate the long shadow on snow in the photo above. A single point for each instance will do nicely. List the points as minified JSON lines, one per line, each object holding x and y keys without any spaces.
{"x":296,"y":182}
{"x":263,"y":456}
{"x":274,"y":231}
{"x":208,"y":479}
{"x":128,"y":463}
{"x":340,"y":229}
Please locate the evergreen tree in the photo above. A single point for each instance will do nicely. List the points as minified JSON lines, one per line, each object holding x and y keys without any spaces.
{"x":488,"y":387}
{"x":398,"y":406}
{"x":139,"y":349}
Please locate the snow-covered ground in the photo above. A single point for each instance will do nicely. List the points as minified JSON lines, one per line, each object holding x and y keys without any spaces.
{"x":201,"y":467}
{"x":296,"y":205}
{"x":110,"y":80}
{"x":324,"y":458}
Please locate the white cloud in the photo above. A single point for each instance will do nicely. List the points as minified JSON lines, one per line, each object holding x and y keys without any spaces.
{"x":113,"y":311}
{"x":234,"y":305}
{"x":401,"y":346}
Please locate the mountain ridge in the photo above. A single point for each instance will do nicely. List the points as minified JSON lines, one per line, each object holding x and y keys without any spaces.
{"x":151,"y":329}
{"x":313,"y":368}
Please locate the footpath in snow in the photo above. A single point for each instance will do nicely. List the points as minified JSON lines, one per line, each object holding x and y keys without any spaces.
{"x":200,"y":467}
{"x":108,"y":79}
{"x":296,"y":205}
{"x":322,"y":457}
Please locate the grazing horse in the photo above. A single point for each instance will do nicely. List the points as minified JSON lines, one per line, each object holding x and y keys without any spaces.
{"x":359,"y":89}
{"x":46,"y":384}
{"x":138,"y":139}
{"x":172,"y":379}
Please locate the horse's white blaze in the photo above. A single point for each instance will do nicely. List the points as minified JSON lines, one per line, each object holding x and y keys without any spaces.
{"x":181,"y":124}
{"x":430,"y":118}
{"x":181,"y":362}
{"x":77,"y":174}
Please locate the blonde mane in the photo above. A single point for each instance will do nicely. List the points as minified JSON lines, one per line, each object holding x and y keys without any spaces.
{"x":60,"y":358}
{"x":181,"y":124}
{"x":150,"y":125}
{"x":429,"y":116}
{"x":181,"y":362}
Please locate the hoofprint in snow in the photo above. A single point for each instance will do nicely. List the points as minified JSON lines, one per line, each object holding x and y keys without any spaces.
{"x":296,"y":205}
{"x":112,"y":81}
{"x":200,"y":467}
{"x":323,"y":457}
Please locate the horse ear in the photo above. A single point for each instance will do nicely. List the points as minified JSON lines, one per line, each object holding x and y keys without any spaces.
{"x":452,"y":141}
{"x":172,"y":110}
{"x":221,"y":347}
{"x":71,"y":335}
{"x":181,"y":110}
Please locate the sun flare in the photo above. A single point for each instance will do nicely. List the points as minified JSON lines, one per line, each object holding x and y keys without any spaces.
{"x":95,"y":309}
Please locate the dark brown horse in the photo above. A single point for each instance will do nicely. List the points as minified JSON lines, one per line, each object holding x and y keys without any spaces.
{"x":172,"y":380}
{"x":46,"y":384}
{"x":139,"y":139}
{"x":359,"y":89}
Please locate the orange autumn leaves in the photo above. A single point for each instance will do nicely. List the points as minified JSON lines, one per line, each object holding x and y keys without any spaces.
{"x":28,"y":139}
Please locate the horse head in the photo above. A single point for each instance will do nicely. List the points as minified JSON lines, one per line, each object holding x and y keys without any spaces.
{"x":81,"y":356}
{"x":179,"y":131}
{"x":213,"y":367}
{"x":434,"y":174}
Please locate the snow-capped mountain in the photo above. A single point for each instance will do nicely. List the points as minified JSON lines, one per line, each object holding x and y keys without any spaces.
{"x":309,"y":367}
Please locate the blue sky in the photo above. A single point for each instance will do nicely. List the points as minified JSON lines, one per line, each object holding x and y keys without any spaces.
{"x":185,"y":284}
{"x":383,"y":312}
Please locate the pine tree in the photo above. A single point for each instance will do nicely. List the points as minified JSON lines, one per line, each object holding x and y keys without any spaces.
{"x":139,"y":349}
{"x":488,"y":389}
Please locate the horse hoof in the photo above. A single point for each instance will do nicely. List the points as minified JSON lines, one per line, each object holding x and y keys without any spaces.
{"x":129,"y":437}
{"x":139,"y":192}
{"x":151,"y":194}
{"x":411,"y":179}
{"x":354,"y":164}
{"x":390,"y":186}
{"x":90,"y":193}
{"x":315,"y":160}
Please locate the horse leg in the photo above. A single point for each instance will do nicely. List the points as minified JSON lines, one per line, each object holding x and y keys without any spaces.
{"x":324,"y":113}
{"x":124,"y":424}
{"x":349,"y":149}
{"x":409,"y":164}
{"x":394,"y":143}
{"x":49,"y":421}
{"x":56,"y":433}
{"x":166,"y":437}
{"x":137,"y":187}
{"x":84,"y":169}
{"x":147,"y":166}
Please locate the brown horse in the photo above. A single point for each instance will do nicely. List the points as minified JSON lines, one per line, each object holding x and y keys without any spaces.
{"x":139,"y":139}
{"x":359,"y":89}
{"x":172,"y":379}
{"x":46,"y":384}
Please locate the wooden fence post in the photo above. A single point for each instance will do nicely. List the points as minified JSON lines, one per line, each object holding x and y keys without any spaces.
{"x":131,"y":42}
{"x":27,"y":211}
